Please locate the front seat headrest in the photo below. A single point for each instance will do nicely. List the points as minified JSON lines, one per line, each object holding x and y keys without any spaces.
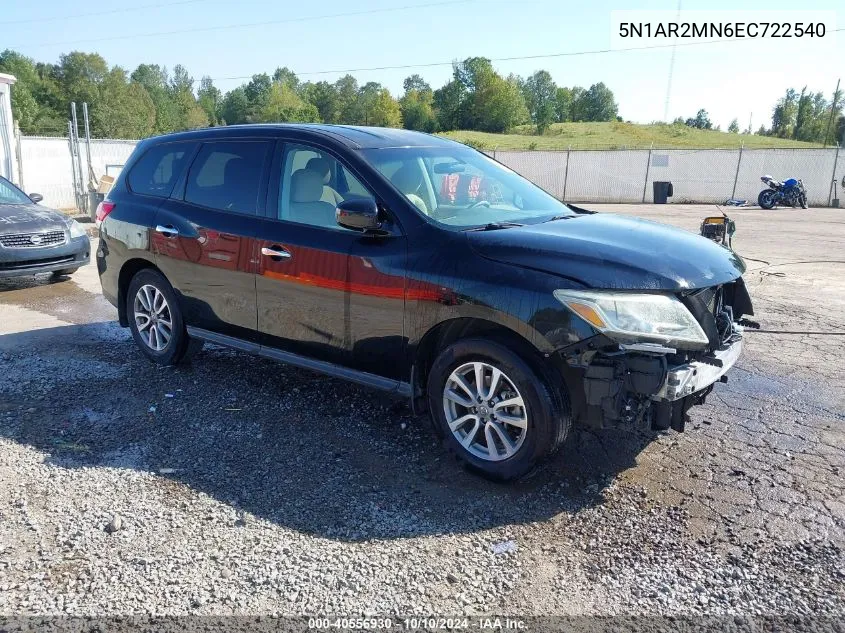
{"x":321,"y":166}
{"x":407,"y":178}
{"x":306,"y":186}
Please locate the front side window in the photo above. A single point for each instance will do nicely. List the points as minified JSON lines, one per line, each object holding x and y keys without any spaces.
{"x":227,"y":176}
{"x":159,"y":168}
{"x":9,"y":194}
{"x":460,"y":187}
{"x":312,"y":184}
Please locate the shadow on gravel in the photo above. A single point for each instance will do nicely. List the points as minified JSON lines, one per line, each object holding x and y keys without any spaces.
{"x":301,"y":450}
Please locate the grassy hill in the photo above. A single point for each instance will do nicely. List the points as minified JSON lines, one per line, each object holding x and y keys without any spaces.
{"x":616,"y":135}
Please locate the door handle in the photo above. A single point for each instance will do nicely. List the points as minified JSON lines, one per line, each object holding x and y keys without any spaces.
{"x":167,"y":231}
{"x":275,"y":253}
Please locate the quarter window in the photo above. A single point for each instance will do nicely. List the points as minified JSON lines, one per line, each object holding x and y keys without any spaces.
{"x":227,"y":176}
{"x":159,"y":168}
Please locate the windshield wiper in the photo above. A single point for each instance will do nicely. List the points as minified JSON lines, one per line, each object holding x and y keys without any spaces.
{"x":492,"y":226}
{"x":560,"y":217}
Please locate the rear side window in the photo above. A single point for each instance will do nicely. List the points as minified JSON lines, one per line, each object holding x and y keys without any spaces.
{"x":159,"y":168}
{"x":227,"y":176}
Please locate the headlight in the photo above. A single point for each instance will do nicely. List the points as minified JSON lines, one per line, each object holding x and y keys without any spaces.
{"x":629,"y":317}
{"x":76,"y":229}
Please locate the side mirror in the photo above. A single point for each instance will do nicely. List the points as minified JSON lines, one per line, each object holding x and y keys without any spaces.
{"x":36,"y":197}
{"x":358,"y":214}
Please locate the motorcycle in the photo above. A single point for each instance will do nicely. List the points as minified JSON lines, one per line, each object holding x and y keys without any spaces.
{"x":790,"y":192}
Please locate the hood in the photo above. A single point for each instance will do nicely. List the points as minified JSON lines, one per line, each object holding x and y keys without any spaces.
{"x":603,"y":250}
{"x":30,"y":218}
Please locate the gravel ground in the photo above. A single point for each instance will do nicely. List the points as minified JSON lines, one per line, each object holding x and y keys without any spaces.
{"x":236,"y":485}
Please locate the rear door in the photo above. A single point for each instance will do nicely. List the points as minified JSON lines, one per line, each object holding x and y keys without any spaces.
{"x":327,"y":292}
{"x":205,"y":235}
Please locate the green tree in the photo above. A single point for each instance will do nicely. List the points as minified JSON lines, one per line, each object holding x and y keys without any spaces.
{"x":347,"y":99}
{"x":448,"y":105}
{"x":155,"y":81}
{"x":417,"y":105}
{"x":598,"y":104}
{"x":324,"y":97}
{"x":803,"y":114}
{"x":366,"y":100}
{"x":784,"y":114}
{"x":234,"y":109}
{"x":209,"y":99}
{"x":285,"y":105}
{"x":25,"y":107}
{"x":287,"y":77}
{"x":733,"y":128}
{"x":190,"y":115}
{"x":125,"y":108}
{"x":257,"y":95}
{"x":181,"y":81}
{"x":540,"y":94}
{"x":701,"y":121}
{"x":80,"y":76}
{"x":563,"y":105}
{"x":415,"y":82}
{"x":496,"y":104}
{"x":578,"y":105}
{"x":385,"y":111}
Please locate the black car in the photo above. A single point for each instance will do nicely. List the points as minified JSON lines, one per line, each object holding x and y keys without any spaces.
{"x":419,"y":266}
{"x":35,"y":239}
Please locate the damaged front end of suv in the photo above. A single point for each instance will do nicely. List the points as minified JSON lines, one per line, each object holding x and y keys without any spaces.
{"x":656,"y":354}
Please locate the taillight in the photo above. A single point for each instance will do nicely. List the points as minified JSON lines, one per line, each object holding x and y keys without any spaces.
{"x":103,"y":209}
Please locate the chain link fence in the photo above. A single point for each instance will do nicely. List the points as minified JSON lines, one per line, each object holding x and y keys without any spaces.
{"x":697,"y":175}
{"x":582,"y":175}
{"x":46,"y":166}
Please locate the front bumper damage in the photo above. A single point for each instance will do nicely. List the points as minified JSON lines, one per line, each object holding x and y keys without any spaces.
{"x":652,"y":386}
{"x":690,"y":378}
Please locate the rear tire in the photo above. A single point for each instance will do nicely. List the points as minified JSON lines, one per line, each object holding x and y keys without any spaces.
{"x":522,"y":433}
{"x":155,"y":319}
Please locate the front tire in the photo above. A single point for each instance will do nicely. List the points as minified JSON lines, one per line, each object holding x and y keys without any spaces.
{"x":155,"y":318}
{"x":494,"y":412}
{"x":803,"y":199}
{"x":766,"y":199}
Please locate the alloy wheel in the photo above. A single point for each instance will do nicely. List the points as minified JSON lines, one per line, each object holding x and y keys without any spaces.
{"x":485,"y":411}
{"x":152,"y":318}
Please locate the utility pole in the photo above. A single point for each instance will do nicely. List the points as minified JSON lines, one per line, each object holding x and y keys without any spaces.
{"x":832,"y":112}
{"x":671,"y":70}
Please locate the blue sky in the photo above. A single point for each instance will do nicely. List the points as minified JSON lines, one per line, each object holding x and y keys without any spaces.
{"x":729,"y":79}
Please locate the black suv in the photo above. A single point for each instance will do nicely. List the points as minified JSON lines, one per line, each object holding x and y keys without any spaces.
{"x":416,"y":265}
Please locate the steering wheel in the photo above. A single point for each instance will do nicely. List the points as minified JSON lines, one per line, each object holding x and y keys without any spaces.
{"x":479,"y":203}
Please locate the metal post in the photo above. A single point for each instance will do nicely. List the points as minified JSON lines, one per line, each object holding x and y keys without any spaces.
{"x":647,"y":169}
{"x":82,"y":195}
{"x":738,"y":163}
{"x":566,"y":173}
{"x":833,"y":178}
{"x":91,"y":179}
{"x":832,"y":112}
{"x":72,"y":162}
{"x":20,"y":157}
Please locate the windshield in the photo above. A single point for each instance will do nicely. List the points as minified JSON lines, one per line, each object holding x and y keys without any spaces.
{"x":9,"y":194}
{"x":460,"y":187}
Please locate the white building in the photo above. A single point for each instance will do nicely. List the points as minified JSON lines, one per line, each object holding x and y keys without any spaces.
{"x":8,"y":159}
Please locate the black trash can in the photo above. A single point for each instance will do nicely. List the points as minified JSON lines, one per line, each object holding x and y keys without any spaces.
{"x":662,"y":191}
{"x":94,"y":199}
